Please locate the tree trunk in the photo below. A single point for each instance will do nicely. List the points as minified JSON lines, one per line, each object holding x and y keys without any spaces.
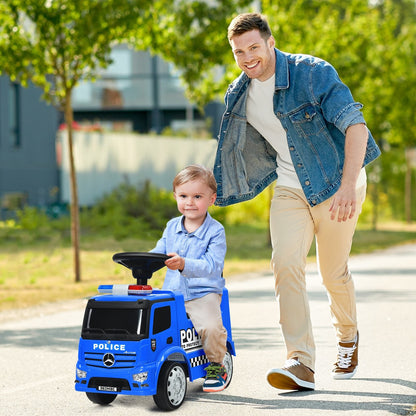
{"x":69,"y":117}
{"x":408,"y":192}
{"x":410,"y":160}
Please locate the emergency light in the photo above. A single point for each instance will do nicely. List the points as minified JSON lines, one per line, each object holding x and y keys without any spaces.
{"x":124,"y":290}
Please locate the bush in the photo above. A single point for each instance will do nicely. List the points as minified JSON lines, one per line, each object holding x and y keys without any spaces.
{"x":130,"y":211}
{"x":33,"y":224}
{"x":254,"y":211}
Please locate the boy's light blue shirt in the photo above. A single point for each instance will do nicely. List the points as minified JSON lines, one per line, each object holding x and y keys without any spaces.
{"x":204,"y":252}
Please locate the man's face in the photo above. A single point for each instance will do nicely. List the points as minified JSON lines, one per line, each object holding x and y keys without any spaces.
{"x":254,"y":55}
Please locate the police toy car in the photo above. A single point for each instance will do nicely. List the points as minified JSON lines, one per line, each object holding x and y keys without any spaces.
{"x":136,"y":340}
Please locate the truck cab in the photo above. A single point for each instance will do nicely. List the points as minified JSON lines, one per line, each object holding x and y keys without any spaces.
{"x":136,"y":340}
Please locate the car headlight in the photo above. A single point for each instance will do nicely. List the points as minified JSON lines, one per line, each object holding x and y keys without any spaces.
{"x":140,"y":377}
{"x":81,"y":373}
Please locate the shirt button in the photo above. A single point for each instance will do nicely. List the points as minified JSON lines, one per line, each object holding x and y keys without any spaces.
{"x":307,"y":183}
{"x":291,"y":148}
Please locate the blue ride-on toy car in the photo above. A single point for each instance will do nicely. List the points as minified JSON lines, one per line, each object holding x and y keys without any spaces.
{"x":136,"y":340}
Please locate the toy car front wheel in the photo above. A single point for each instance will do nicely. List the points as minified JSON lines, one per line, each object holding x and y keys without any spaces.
{"x":171,"y":386}
{"x":101,"y":398}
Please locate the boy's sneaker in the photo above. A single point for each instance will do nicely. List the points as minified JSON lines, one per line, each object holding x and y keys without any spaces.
{"x":293,"y":376}
{"x":347,"y":361}
{"x":216,"y":378}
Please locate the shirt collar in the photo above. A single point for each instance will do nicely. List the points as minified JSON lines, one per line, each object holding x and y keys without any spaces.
{"x":199,"y":232}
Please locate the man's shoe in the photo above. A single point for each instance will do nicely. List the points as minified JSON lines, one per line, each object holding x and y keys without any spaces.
{"x":293,"y":376}
{"x":347,"y":361}
{"x":216,"y":378}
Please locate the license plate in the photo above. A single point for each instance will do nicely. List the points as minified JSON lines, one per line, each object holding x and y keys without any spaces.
{"x":107,"y":388}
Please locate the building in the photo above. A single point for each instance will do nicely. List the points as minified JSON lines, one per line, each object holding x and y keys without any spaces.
{"x":28,"y":169}
{"x":142,"y":93}
{"x":137,"y":93}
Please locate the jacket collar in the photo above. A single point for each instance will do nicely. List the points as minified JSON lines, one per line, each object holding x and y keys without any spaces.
{"x":282,"y":71}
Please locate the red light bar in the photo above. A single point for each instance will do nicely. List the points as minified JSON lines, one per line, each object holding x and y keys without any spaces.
{"x":139,"y":289}
{"x":124,"y":290}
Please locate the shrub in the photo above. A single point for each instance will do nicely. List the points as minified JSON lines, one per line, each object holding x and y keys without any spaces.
{"x":130,"y":211}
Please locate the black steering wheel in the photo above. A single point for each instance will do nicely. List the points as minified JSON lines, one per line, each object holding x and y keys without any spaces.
{"x":142,"y":264}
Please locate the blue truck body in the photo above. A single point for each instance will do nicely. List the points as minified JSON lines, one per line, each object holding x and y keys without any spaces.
{"x":128,"y":340}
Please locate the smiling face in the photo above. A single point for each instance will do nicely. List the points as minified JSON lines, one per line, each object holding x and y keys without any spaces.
{"x":193,"y":199}
{"x":254,"y":54}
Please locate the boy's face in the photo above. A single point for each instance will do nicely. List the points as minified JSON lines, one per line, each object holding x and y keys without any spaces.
{"x":193,"y":199}
{"x":254,"y":55}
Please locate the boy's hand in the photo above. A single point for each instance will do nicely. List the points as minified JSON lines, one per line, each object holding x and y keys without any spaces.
{"x":175,"y":262}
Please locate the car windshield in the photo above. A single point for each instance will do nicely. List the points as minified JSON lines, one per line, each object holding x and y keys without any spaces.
{"x":113,"y":322}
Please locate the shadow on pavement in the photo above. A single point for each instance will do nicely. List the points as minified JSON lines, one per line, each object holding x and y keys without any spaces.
{"x":320,"y":295}
{"x":56,"y":339}
{"x":257,"y":338}
{"x":396,"y":404}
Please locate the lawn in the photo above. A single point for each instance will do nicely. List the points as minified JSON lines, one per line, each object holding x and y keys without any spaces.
{"x":34,"y":271}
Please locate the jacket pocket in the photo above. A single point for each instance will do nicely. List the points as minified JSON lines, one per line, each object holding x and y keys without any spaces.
{"x":307,"y":121}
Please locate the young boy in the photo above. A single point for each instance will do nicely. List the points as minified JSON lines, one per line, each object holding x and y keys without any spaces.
{"x":197,"y":246}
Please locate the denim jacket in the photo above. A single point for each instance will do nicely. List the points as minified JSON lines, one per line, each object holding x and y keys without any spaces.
{"x":315,"y":108}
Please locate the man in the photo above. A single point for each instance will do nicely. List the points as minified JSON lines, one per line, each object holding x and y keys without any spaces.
{"x":289,"y":118}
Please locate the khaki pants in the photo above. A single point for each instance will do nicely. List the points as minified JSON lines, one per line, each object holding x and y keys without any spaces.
{"x":293,"y":224}
{"x":205,"y":314}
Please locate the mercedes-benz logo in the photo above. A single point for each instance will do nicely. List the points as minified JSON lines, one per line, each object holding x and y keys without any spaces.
{"x":109,"y":360}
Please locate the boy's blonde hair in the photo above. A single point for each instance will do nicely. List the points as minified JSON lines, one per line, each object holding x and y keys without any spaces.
{"x":195,"y":172}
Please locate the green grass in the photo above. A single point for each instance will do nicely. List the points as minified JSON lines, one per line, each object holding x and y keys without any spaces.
{"x":35,"y":271}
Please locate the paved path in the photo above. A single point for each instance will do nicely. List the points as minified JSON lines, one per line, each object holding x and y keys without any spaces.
{"x":38,"y":353}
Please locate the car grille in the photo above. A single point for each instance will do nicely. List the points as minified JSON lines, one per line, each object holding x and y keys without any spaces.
{"x":97,"y":359}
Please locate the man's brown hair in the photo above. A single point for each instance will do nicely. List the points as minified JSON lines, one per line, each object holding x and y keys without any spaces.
{"x":249,"y":21}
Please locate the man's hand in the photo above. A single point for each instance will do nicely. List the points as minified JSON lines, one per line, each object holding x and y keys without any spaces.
{"x":344,"y":204}
{"x":175,"y":262}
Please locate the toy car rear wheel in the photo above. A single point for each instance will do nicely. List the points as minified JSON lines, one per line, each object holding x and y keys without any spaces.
{"x":101,"y":398}
{"x":171,"y":386}
{"x":228,"y":364}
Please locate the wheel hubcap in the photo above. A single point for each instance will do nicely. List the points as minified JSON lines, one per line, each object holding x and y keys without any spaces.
{"x":176,"y":385}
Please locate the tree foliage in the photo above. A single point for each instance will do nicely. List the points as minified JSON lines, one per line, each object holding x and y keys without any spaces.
{"x":56,"y":44}
{"x":192,"y":35}
{"x":371,"y":43}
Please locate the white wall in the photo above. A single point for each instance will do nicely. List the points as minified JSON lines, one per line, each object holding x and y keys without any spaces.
{"x":104,"y":160}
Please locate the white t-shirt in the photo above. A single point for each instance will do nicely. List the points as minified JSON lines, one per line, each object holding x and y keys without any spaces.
{"x":261,"y":116}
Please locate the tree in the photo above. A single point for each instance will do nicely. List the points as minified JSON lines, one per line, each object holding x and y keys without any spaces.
{"x":192,"y":35}
{"x":55,"y":45}
{"x":403,"y":81}
{"x":372,"y":44}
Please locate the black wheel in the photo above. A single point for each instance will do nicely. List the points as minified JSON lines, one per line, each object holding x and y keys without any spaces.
{"x":171,"y":386}
{"x":228,"y":364}
{"x":101,"y":398}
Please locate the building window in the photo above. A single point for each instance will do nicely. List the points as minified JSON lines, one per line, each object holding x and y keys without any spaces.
{"x":14,"y":115}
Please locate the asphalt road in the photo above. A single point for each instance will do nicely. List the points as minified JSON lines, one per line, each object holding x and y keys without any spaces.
{"x":38,"y":352}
